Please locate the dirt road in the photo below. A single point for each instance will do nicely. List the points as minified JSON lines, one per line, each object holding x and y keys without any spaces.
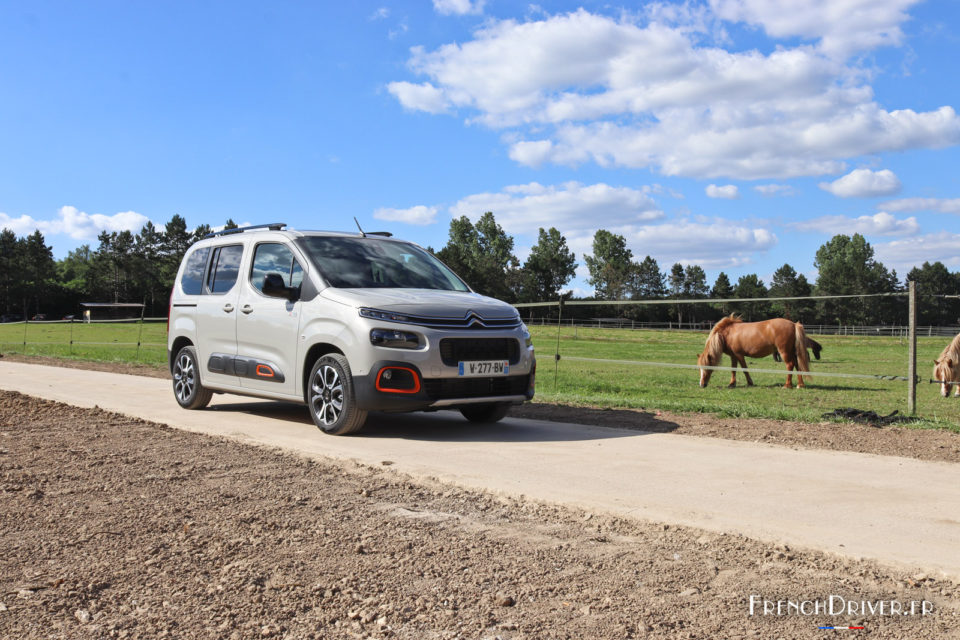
{"x":116,"y":527}
{"x":895,"y":510}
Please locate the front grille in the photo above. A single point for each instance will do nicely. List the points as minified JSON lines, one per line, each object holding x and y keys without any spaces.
{"x":447,"y":388}
{"x":471,"y":320}
{"x":456,"y":350}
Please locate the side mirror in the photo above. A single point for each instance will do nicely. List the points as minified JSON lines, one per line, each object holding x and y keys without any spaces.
{"x":273,"y":286}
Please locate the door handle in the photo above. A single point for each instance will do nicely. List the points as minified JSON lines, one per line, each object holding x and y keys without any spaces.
{"x":228,"y":307}
{"x":246,"y":308}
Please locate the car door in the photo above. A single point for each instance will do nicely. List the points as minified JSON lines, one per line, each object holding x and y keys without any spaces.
{"x":217,"y":316}
{"x":268,"y":327}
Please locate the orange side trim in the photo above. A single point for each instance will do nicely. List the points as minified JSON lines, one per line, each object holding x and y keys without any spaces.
{"x":264,"y":371}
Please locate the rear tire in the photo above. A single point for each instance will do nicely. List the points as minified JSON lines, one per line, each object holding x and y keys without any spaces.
{"x":331,"y":397}
{"x":187,"y":388}
{"x":489,"y":413}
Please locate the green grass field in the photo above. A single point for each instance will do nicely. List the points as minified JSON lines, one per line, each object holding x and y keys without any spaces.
{"x":106,"y":342}
{"x":614,"y":384}
{"x":650,"y":387}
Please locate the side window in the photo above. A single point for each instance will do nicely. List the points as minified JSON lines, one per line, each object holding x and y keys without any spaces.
{"x":271,"y":257}
{"x":191,"y":282}
{"x":224,"y":268}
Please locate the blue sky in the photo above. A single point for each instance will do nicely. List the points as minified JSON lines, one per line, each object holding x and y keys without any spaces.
{"x":734,"y":134}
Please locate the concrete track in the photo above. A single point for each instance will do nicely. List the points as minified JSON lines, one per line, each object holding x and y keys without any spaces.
{"x":896,"y":510}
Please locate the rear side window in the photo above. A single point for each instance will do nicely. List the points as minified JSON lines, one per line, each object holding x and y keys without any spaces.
{"x":275,"y":258}
{"x":192,"y":280}
{"x":224,"y":268}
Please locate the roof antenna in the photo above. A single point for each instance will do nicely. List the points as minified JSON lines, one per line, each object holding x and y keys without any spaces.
{"x":362,"y":234}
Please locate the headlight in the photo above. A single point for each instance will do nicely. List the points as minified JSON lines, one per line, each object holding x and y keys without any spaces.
{"x":394,"y":339}
{"x":527,"y":338}
{"x":389,"y":316}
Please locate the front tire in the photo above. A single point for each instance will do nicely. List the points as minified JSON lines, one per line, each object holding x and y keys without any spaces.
{"x":331,"y":397}
{"x":492,"y":412}
{"x":187,"y":388}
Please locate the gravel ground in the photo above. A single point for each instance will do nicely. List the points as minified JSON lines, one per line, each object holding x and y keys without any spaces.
{"x":117,"y":527}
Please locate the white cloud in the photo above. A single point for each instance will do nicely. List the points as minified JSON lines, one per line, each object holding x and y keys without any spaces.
{"x":401,"y":28}
{"x":880,"y":224}
{"x":532,"y":154}
{"x":579,"y":87}
{"x":380,"y":14}
{"x":864,"y":183}
{"x":458,"y":7}
{"x":903,"y":255}
{"x":840,"y":26}
{"x":771,"y":190}
{"x":726,"y":192}
{"x":938,"y":205}
{"x":75,"y":223}
{"x":712,"y":245}
{"x":419,"y":97}
{"x":716,"y":245}
{"x":568,"y":207}
{"x":419,"y":215}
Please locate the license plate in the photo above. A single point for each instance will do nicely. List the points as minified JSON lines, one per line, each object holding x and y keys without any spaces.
{"x":484,"y":368}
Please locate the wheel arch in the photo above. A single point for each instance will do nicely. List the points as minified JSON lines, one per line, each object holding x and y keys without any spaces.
{"x":313,"y":354}
{"x":178,"y":344}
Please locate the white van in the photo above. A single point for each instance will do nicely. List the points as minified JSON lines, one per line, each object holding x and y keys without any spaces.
{"x":345,"y":323}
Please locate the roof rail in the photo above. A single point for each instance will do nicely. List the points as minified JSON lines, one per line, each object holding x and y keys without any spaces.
{"x":273,"y":226}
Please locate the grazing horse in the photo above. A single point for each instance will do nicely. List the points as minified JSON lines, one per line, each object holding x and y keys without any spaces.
{"x":946,"y":368}
{"x":811,"y":344}
{"x":737,"y":339}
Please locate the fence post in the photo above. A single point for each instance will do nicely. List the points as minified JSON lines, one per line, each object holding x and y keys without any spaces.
{"x":140,"y":333}
{"x":26,"y":321}
{"x":556,"y":355}
{"x":912,"y":357}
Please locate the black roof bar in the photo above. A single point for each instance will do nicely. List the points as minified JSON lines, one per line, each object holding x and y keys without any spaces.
{"x":273,"y":226}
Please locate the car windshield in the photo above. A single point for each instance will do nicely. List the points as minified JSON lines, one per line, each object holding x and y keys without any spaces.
{"x":368,"y":262}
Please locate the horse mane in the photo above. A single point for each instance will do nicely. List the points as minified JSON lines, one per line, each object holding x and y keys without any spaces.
{"x":714,"y":346}
{"x":951,"y":351}
{"x":725,"y":322}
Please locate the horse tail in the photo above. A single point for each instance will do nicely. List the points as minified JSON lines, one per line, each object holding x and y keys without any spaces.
{"x":800,"y":337}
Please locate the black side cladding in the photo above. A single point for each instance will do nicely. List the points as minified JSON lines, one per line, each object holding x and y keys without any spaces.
{"x":244,"y":367}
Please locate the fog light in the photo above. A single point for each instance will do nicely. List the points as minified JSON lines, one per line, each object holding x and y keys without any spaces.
{"x":398,"y":380}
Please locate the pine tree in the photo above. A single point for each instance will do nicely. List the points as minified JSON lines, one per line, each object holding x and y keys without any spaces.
{"x":548,"y":268}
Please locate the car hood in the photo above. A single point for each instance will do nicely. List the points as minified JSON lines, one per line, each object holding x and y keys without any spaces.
{"x":432,"y":303}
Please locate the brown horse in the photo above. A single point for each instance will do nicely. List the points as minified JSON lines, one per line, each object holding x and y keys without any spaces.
{"x":737,"y":339}
{"x":812,"y":344}
{"x":946,"y":368}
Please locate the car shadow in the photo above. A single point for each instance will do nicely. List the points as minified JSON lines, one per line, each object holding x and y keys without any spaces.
{"x":553,"y":424}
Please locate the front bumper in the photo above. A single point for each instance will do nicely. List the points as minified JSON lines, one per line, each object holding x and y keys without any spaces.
{"x":436,"y":393}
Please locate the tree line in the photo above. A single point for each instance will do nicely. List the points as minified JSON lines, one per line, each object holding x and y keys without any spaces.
{"x":127,"y":267}
{"x":482,"y":254}
{"x":124,"y":267}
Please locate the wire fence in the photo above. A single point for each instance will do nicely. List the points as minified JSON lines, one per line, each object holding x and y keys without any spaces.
{"x":704,"y":326}
{"x":906,"y":333}
{"x":75,"y":337}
